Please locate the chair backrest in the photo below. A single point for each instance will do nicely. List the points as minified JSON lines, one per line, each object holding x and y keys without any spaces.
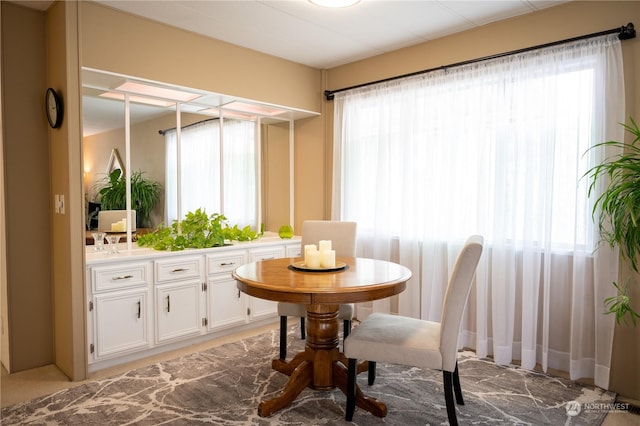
{"x":107,"y":217}
{"x":342,"y":235}
{"x":455,"y":299}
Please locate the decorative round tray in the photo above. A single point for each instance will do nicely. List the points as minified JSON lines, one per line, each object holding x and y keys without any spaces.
{"x":301,"y":266}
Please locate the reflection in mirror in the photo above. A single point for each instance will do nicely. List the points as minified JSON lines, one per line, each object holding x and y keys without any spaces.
{"x":209,"y":161}
{"x":252,"y":165}
{"x":115,"y":162}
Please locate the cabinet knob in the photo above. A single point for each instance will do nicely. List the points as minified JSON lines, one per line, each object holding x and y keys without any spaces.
{"x":179,"y":270}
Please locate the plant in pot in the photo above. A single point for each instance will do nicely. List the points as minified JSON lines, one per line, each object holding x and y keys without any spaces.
{"x":112,"y":193}
{"x":618,"y":213}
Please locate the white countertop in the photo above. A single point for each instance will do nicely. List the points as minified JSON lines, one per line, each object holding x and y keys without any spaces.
{"x":93,"y":257}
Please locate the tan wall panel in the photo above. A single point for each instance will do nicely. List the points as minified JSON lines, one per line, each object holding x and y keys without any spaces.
{"x":310,"y":172}
{"x":26,"y":167}
{"x":115,"y":41}
{"x":275,"y":175}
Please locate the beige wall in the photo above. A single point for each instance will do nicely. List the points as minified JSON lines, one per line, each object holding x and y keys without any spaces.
{"x":27,"y":317}
{"x":557,"y":23}
{"x":275,"y":176}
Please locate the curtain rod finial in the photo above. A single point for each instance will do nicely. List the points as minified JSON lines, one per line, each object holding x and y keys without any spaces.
{"x":328,"y":94}
{"x":627,"y":32}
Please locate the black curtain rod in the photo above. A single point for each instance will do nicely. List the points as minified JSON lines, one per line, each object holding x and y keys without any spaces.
{"x":162,"y":132}
{"x":624,"y":33}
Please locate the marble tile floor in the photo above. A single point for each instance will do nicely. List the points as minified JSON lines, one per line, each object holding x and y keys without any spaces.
{"x":37,"y":382}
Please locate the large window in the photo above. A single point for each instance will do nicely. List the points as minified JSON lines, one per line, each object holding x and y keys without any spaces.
{"x":496,"y":148}
{"x":217,"y":177}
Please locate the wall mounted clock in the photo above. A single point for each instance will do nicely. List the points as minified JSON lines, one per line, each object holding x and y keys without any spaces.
{"x":53,"y":105}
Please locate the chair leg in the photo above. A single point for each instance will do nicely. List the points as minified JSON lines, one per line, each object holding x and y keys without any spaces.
{"x":283,"y":337}
{"x":456,"y":386}
{"x":351,"y":389}
{"x":448,"y":397}
{"x":371,"y":373}
{"x":302,"y":329}
{"x":346,"y":328}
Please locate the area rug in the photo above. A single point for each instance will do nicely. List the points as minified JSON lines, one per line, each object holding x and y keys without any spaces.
{"x":223,"y":386}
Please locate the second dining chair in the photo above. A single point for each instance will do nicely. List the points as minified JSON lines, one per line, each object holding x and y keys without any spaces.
{"x":343,"y":238}
{"x":402,"y":340}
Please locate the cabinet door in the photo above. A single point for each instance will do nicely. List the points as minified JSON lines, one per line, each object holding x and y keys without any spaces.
{"x":226,"y":303}
{"x":121,"y":322}
{"x":178,"y":310}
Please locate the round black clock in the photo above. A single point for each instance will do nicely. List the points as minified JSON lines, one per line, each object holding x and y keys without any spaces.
{"x":53,"y":106}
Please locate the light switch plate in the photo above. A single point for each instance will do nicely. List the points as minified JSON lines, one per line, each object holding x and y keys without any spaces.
{"x":58,"y":202}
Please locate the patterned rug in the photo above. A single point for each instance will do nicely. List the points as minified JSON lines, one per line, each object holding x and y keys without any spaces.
{"x":224,"y":385}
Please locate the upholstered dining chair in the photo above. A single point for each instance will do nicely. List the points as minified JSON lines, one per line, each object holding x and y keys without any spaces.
{"x":401,"y":340}
{"x":343,"y":240}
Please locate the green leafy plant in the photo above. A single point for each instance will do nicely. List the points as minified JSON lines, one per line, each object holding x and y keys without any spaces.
{"x":196,"y":230}
{"x":112,"y":194}
{"x":618,"y":212}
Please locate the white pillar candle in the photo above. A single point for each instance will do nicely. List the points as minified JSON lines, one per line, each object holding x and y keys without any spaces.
{"x":308,"y":247}
{"x":328,"y":258}
{"x":313,"y":259}
{"x":324,"y":245}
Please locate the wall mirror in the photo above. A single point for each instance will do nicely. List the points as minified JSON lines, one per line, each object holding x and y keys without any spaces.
{"x":152,"y":126}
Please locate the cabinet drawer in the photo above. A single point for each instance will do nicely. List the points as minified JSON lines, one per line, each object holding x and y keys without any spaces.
{"x":177,"y":269}
{"x":294,"y":251}
{"x":225,"y":262}
{"x":266,"y":254}
{"x":109,"y":278}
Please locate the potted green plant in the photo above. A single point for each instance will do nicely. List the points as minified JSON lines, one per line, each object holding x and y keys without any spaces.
{"x":618,"y":213}
{"x":112,"y":194}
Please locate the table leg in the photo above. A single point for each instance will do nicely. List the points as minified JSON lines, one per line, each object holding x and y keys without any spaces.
{"x":300,"y":379}
{"x":320,"y":366}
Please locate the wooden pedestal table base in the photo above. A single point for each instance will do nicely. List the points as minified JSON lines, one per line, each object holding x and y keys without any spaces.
{"x":321,"y":366}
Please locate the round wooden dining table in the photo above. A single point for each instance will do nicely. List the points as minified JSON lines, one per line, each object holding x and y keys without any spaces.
{"x":321,"y":366}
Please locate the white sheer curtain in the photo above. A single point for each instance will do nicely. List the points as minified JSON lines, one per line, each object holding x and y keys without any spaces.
{"x":495,"y":148}
{"x":232,"y":192}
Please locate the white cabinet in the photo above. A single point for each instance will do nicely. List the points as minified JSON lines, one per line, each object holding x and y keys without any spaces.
{"x":226,"y":304}
{"x":178,"y":310}
{"x":121,"y":322}
{"x":119,"y":310}
{"x":143,"y":302}
{"x":179,"y":282}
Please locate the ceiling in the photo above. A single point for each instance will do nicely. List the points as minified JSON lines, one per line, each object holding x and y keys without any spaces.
{"x":320,"y":37}
{"x":302,"y":32}
{"x":324,"y":38}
